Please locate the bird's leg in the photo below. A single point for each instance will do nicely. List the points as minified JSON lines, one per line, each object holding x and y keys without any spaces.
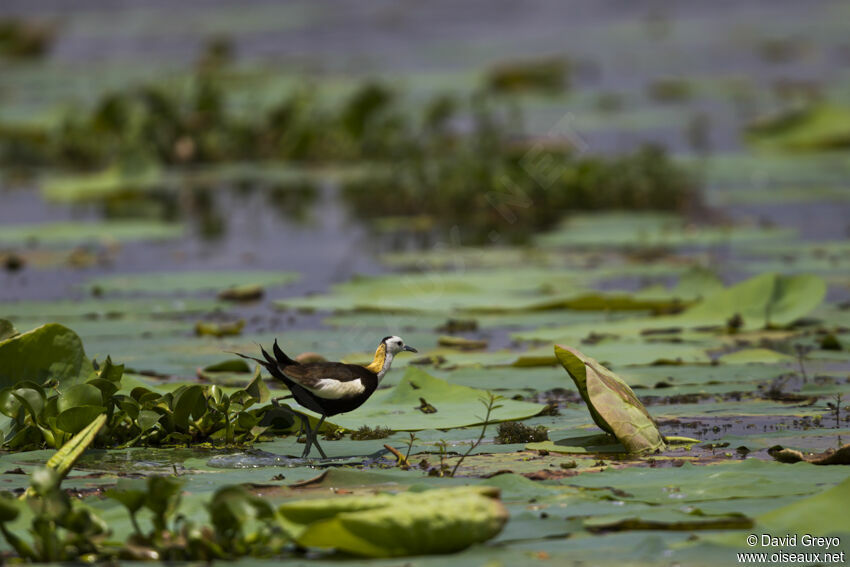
{"x":316,"y":437}
{"x":309,"y":436}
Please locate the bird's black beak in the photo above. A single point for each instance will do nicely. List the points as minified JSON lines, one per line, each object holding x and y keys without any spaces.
{"x":409,"y":349}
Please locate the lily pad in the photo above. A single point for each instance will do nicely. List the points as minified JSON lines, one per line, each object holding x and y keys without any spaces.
{"x":114,"y":181}
{"x":398,"y":408}
{"x":64,"y":234}
{"x":194,"y":281}
{"x":753,"y":356}
{"x":431,"y":522}
{"x":821,"y":126}
{"x":593,"y":444}
{"x":649,"y":230}
{"x":105,"y":308}
{"x":612,"y":404}
{"x":51,"y":351}
{"x":762,"y":301}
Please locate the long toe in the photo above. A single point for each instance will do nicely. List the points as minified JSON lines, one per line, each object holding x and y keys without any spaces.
{"x":319,"y":447}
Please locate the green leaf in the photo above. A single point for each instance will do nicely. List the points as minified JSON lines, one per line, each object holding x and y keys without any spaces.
{"x":191,"y":281}
{"x":147,"y":419}
{"x":432,"y":522}
{"x":132,"y":493}
{"x":457,"y":406}
{"x":188,"y":403}
{"x":612,"y":404}
{"x":233,"y":507}
{"x":820,"y":126}
{"x":762,"y":301}
{"x":107,"y":388}
{"x":63,"y":460}
{"x":32,"y":400}
{"x":111,"y":371}
{"x":163,"y":495}
{"x":51,"y":351}
{"x":80,"y":395}
{"x":8,"y":510}
{"x":817,"y":514}
{"x":75,"y":419}
{"x":257,"y":389}
{"x":65,"y":234}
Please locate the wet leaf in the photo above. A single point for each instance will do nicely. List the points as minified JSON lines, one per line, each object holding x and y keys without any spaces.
{"x":438,"y":521}
{"x":612,"y":404}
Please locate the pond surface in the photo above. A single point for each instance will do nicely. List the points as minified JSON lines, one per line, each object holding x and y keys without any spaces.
{"x":681,"y":306}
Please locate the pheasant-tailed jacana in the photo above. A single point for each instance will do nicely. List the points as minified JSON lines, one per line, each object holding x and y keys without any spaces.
{"x":329,"y":388}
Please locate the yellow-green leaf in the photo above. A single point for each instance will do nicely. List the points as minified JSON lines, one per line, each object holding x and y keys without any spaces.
{"x":435,"y":521}
{"x":64,"y":459}
{"x":612,"y":404}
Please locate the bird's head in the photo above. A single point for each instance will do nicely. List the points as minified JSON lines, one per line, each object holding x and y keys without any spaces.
{"x":396,"y":345}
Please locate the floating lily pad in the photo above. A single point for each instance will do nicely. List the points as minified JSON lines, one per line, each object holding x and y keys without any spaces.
{"x":457,"y":406}
{"x":593,"y":444}
{"x":762,"y":301}
{"x":99,"y":185}
{"x":649,"y":230}
{"x":754,"y":355}
{"x":437,"y":521}
{"x":64,"y":234}
{"x":821,"y":126}
{"x":104,"y":308}
{"x":194,"y":281}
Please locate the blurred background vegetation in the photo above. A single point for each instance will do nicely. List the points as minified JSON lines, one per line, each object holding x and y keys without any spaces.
{"x":394,"y":125}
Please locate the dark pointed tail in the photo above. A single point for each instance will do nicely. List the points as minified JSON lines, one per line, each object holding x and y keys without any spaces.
{"x":273,"y":365}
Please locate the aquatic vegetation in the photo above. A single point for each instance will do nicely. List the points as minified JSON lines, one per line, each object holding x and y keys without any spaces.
{"x":518,"y":200}
{"x":812,"y":127}
{"x":23,"y":39}
{"x":240,"y":523}
{"x":56,"y":392}
{"x":518,"y":432}
{"x":717,"y":290}
{"x":612,"y":404}
{"x":546,"y":75}
{"x":365,"y":432}
{"x":432,"y":170}
{"x":670,"y":90}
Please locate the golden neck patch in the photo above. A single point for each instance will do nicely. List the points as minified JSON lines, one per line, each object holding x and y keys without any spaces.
{"x":377,"y":363}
